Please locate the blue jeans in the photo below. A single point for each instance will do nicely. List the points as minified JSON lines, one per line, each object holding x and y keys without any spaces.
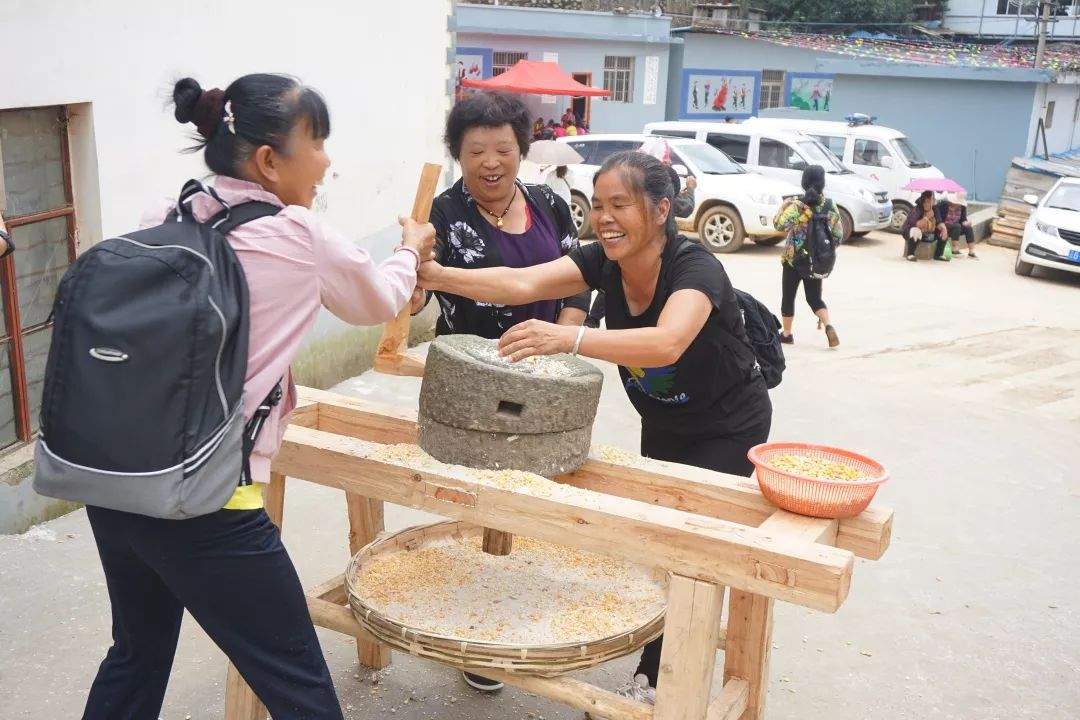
{"x":231,"y":572}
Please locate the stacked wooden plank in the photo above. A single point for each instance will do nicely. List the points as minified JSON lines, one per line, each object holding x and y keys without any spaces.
{"x":1026,"y":176}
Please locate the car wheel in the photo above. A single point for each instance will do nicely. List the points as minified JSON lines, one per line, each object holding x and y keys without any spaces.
{"x":859,"y":236}
{"x":768,"y":240}
{"x":847,"y":224}
{"x":721,"y":230}
{"x":1023,"y":268}
{"x":899,"y":215}
{"x":579,"y":213}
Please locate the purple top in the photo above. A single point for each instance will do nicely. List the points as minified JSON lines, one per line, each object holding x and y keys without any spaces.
{"x":536,"y":245}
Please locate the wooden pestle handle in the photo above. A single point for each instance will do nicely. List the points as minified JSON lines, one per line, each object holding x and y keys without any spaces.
{"x":391,"y":357}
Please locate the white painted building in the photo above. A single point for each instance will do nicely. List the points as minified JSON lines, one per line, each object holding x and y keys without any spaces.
{"x":1058,"y":105}
{"x":88,"y":141}
{"x":1009,"y":18}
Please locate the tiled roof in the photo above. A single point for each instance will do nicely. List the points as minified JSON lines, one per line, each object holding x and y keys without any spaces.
{"x":1059,"y":57}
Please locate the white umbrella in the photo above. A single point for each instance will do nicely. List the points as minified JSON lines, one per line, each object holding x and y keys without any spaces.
{"x":549,"y":152}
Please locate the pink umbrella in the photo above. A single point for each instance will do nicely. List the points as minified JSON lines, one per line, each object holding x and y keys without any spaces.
{"x":934,"y":184}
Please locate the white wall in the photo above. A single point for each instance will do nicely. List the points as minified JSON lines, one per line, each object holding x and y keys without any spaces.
{"x":1064,"y":132}
{"x":979,"y":17}
{"x":382,"y":67}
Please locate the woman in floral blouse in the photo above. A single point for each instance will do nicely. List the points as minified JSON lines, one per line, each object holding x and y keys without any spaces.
{"x":794,"y":219}
{"x":489,"y":218}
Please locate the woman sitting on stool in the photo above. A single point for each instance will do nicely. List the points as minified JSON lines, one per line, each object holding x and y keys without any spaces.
{"x":922,"y":224}
{"x":952,"y":217}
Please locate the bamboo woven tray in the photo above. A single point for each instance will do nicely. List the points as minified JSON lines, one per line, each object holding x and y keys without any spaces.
{"x":527,"y":658}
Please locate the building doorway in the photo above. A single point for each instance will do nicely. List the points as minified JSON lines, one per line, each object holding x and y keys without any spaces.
{"x":40,"y":214}
{"x":583,"y":105}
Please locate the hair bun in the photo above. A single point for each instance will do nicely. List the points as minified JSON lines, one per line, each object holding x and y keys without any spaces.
{"x":186,"y":94}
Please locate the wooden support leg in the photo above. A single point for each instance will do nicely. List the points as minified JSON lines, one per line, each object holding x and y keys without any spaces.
{"x":746,"y":650}
{"x":274,"y":498}
{"x":241,"y":703}
{"x":497,"y":542}
{"x":691,"y":633}
{"x":365,"y":522}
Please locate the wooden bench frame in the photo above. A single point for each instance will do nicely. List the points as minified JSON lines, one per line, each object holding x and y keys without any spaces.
{"x":713,"y":532}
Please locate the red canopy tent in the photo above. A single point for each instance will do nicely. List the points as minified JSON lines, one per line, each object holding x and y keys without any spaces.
{"x":536,"y":78}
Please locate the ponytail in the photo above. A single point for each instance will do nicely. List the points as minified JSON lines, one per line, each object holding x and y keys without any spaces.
{"x":254,"y":110}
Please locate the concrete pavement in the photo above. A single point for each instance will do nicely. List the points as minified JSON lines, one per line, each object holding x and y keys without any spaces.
{"x":961,"y":377}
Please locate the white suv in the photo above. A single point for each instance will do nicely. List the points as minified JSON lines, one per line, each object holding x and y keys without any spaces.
{"x":781,"y":154}
{"x":1052,"y":234}
{"x":730,"y":203}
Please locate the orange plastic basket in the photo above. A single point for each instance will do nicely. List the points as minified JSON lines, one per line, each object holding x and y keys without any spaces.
{"x":812,"y":496}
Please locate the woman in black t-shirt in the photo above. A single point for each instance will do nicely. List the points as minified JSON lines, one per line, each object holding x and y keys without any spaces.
{"x":673,"y":327}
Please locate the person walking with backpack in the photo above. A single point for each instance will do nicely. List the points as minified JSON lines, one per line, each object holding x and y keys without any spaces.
{"x":195,"y":535}
{"x":675,"y":328}
{"x":814,"y":229}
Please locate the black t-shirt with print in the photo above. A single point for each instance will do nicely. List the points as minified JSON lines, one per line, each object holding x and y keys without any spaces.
{"x":714,"y":388}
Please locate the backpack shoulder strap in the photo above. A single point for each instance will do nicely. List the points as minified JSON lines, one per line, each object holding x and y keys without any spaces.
{"x":231,"y":218}
{"x":685,"y":245}
{"x":254,"y":427}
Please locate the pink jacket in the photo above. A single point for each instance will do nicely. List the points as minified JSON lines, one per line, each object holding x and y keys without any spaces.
{"x":295,"y":263}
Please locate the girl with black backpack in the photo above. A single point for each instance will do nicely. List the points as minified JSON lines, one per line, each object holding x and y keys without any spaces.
{"x":263,"y":139}
{"x":797,"y":218}
{"x":674,"y":327}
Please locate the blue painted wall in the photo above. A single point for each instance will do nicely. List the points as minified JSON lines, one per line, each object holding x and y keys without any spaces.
{"x":973,"y":140}
{"x":581,"y":40}
{"x":970,"y":128}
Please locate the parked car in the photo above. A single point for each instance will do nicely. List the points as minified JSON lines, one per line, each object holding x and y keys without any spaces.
{"x":876,"y":152}
{"x":1052,"y":234}
{"x":864,"y":204}
{"x":730,"y":205}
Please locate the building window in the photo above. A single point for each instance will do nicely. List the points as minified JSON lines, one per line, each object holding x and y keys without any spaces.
{"x":1049,"y":114}
{"x":772,"y":89}
{"x":1017,"y":7}
{"x":503,"y":60}
{"x":619,"y":78}
{"x":38,"y":210}
{"x":1076,"y":110}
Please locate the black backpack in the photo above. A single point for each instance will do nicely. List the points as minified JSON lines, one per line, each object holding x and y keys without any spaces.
{"x":142,"y":404}
{"x":817,"y":256}
{"x":763,"y":332}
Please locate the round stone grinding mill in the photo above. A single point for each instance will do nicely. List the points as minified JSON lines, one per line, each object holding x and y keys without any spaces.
{"x":481,"y":411}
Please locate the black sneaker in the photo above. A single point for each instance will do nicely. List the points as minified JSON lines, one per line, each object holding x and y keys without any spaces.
{"x":912,"y":258}
{"x":482,"y":684}
{"x":787,"y":338}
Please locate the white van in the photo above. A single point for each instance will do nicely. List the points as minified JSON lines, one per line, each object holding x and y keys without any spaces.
{"x":782,"y":154}
{"x":872,"y":151}
{"x":730,"y":204}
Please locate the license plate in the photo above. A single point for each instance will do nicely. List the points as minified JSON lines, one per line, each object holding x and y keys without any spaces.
{"x":1074,"y":255}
